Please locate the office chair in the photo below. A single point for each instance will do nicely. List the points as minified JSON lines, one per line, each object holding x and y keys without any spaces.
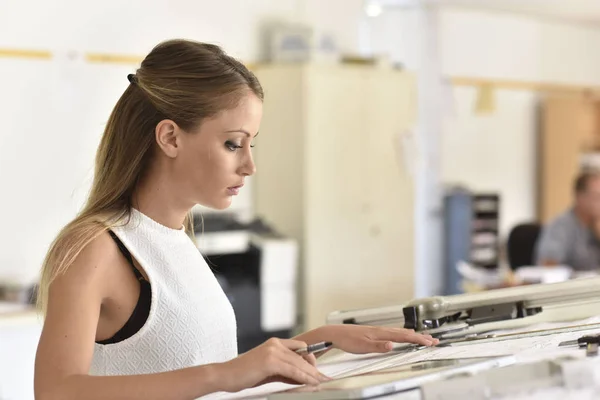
{"x":521,"y":244}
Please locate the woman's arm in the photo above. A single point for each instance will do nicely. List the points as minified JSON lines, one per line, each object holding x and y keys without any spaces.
{"x":66,"y":347}
{"x":189,"y":383}
{"x":361,"y":339}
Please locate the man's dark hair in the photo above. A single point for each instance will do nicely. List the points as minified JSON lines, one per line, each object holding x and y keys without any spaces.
{"x":582,"y":180}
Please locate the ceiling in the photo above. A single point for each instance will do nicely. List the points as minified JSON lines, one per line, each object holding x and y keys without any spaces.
{"x":587,"y":11}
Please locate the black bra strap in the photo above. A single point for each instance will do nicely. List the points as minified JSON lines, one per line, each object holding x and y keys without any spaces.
{"x":127,"y":255}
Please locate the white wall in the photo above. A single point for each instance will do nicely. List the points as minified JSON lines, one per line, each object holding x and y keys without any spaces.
{"x":504,"y":45}
{"x":495,"y":152}
{"x":53,"y":112}
{"x":133,"y":27}
{"x":339,"y":17}
{"x":498,"y":151}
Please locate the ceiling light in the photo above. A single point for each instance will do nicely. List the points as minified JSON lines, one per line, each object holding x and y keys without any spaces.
{"x":373,"y":9}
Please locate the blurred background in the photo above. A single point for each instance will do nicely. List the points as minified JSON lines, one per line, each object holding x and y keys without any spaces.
{"x":408,"y":148}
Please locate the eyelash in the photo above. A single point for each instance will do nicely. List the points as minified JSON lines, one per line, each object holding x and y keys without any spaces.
{"x":233,"y":147}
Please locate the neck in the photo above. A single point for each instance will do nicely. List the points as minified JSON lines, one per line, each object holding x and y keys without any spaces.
{"x":582,"y":216}
{"x":155,"y":198}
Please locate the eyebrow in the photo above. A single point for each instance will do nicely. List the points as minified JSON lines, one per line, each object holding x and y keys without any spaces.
{"x":242,"y":131}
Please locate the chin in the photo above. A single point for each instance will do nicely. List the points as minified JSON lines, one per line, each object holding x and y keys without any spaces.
{"x":219,"y":204}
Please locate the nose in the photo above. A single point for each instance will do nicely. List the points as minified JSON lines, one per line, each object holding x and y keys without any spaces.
{"x":248,"y":167}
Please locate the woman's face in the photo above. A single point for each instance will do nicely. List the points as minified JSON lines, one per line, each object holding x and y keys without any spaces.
{"x":212,"y":162}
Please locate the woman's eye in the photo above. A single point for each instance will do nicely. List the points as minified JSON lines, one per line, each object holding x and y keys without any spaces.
{"x":232,"y":146}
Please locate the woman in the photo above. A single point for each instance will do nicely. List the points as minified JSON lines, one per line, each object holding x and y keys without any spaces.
{"x":132,"y":310}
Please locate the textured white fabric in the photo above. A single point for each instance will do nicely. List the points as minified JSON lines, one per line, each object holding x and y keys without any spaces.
{"x":191,"y":321}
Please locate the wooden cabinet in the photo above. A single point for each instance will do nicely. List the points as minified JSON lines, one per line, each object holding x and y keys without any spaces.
{"x":569,"y":128}
{"x":330,"y":173}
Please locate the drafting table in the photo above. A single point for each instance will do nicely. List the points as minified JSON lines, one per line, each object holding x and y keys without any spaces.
{"x":528,"y":323}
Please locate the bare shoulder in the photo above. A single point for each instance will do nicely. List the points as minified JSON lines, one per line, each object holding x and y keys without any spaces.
{"x":74,"y":302}
{"x":93,"y":266}
{"x":77,"y":293}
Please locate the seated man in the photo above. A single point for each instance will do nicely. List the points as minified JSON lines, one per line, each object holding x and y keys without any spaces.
{"x":573,"y":238}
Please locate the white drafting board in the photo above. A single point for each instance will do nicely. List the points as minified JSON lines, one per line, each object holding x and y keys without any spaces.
{"x":528,"y":349}
{"x":54,"y":112}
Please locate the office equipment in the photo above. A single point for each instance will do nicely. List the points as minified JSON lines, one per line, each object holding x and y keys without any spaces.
{"x":332,"y":178}
{"x":550,"y":315}
{"x":523,"y":366}
{"x":257,"y":270}
{"x":582,"y":341}
{"x":467,"y":314}
{"x":220,"y":233}
{"x":471,"y":233}
{"x":563,"y":375}
{"x":391,"y":380}
{"x":296,"y":43}
{"x":589,"y":342}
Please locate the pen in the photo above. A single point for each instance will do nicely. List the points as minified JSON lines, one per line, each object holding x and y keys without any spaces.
{"x":314,"y":348}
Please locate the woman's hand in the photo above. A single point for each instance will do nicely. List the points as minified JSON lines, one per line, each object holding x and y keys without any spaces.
{"x":273,"y":361}
{"x":360,"y":339}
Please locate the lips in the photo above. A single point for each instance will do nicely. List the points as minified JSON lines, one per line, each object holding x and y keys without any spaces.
{"x":234,"y":190}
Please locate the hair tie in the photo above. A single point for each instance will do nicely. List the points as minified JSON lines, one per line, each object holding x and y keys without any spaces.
{"x":131,"y":78}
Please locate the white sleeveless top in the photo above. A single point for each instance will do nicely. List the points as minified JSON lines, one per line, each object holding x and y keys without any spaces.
{"x":191,"y":321}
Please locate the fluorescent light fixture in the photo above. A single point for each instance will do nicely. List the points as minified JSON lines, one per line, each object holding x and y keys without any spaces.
{"x":373,"y":9}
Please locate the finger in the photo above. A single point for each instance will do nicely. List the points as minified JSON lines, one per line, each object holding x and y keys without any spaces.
{"x":293,"y":344}
{"x":303,"y":365}
{"x":291,"y":371}
{"x":283,"y":379}
{"x":383,"y":346}
{"x":311,"y":369}
{"x":311,"y":359}
{"x":404,"y":335}
{"x":434,"y":340}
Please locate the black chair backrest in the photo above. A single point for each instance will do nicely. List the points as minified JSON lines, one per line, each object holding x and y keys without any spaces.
{"x":521,"y":244}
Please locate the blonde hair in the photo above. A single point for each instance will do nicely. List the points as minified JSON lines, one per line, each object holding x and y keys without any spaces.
{"x":181,"y":80}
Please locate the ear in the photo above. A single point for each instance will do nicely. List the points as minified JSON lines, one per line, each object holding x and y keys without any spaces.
{"x":167,"y":137}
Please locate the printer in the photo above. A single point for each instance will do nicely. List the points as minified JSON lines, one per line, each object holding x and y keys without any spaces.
{"x":257,"y":269}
